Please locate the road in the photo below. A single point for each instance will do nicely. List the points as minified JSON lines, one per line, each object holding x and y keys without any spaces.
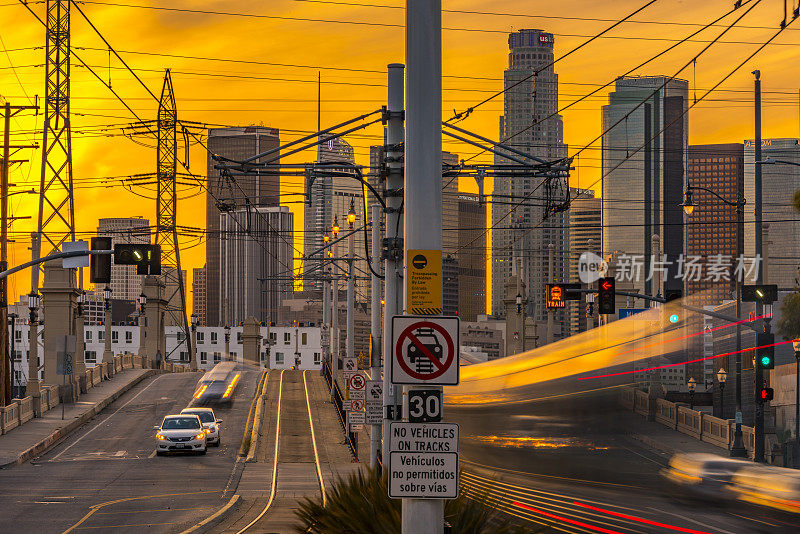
{"x":570,"y":464}
{"x":106,"y":478}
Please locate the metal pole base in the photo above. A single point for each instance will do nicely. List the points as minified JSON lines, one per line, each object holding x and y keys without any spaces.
{"x":737,"y":449}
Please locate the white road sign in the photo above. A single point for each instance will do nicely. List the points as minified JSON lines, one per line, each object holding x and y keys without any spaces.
{"x":349,"y":364}
{"x":425,"y":350}
{"x":357,"y":418}
{"x":423,"y":475}
{"x":353,"y":405}
{"x":374,"y":391}
{"x":374,"y":414}
{"x":423,"y":437}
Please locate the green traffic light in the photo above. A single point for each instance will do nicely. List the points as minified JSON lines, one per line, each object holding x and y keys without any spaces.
{"x":765,"y":361}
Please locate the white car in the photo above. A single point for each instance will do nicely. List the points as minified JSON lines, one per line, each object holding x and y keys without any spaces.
{"x":181,"y":433}
{"x":210,"y":423}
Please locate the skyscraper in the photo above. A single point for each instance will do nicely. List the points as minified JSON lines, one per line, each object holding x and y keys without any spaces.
{"x":125,"y":283}
{"x":778,"y":184}
{"x":584,"y":236}
{"x":531,"y":124}
{"x":471,"y":257}
{"x":237,"y":143}
{"x":199,"y":295}
{"x":712,"y":228}
{"x":256,"y":265}
{"x":644,"y":153}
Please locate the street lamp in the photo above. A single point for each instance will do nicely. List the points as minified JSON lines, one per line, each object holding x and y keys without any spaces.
{"x":770,"y":161}
{"x":12,"y":319}
{"x":737,"y":447}
{"x":351,"y":215}
{"x":193,"y":345}
{"x":142,"y":302}
{"x":335,"y":228}
{"x":32,"y":387}
{"x":519,"y":303}
{"x":692,"y":384}
{"x":107,"y":296}
{"x":796,"y":345}
{"x":722,"y":377}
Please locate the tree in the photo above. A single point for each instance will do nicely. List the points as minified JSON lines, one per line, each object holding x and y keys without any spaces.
{"x":789,"y":324}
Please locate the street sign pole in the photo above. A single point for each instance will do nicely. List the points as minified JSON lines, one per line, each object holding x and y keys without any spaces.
{"x":374,"y":342}
{"x":393,"y":249}
{"x":423,"y":190}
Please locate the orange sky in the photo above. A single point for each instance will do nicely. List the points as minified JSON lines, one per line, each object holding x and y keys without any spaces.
{"x":284,"y":96}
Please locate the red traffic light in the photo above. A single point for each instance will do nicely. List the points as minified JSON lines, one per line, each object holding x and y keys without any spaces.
{"x":606,"y":285}
{"x":766,"y":394}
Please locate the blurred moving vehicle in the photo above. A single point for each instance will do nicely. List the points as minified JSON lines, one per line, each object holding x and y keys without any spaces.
{"x":219,"y":384}
{"x":183,"y":433}
{"x":776,"y":488}
{"x":210,"y":423}
{"x":703,"y":476}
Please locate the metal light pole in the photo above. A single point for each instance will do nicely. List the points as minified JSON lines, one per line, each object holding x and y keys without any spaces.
{"x":108,"y":354}
{"x":12,"y":318}
{"x":375,"y":332}
{"x":32,"y":387}
{"x":423,"y":191}
{"x":326,"y":304}
{"x":393,"y":260}
{"x":722,"y":377}
{"x":227,"y":343}
{"x":79,"y":367}
{"x":759,"y":406}
{"x":351,"y":285}
{"x":142,"y":328}
{"x":796,"y":345}
{"x":692,"y":384}
{"x":335,"y":311}
{"x":193,"y":345}
{"x":737,"y":447}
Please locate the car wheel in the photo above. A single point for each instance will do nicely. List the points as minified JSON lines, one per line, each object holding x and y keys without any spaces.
{"x":159,"y":453}
{"x":203,"y":451}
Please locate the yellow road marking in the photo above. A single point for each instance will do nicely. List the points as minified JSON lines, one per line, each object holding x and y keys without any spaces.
{"x":314,"y":443}
{"x":125,"y":526}
{"x":275,"y":463}
{"x":149,"y":511}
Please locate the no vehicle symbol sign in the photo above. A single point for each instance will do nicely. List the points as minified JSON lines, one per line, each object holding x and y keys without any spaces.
{"x":425,"y":350}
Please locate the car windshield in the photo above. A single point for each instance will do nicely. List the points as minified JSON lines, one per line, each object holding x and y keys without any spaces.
{"x":180,"y":423}
{"x":206,"y":417}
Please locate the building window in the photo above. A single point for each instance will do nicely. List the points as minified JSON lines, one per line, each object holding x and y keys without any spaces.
{"x":90,"y":356}
{"x":17,"y":355}
{"x":115,"y":336}
{"x":184,"y":356}
{"x":239,"y":338}
{"x":128,"y":337}
{"x":263,"y":356}
{"x":317,"y":358}
{"x":278,"y":358}
{"x":217,"y":357}
{"x":17,"y":335}
{"x":201,"y":337}
{"x":287,"y":337}
{"x":213,"y":338}
{"x":203,"y":357}
{"x":273,"y":336}
{"x":101,"y":335}
{"x":88,"y":336}
{"x":180,"y":336}
{"x":304,"y":338}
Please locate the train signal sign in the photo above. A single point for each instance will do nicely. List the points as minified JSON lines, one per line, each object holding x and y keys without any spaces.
{"x":765,"y":351}
{"x":558,"y":294}
{"x":606,"y":295}
{"x":425,"y":350}
{"x":147,"y":258}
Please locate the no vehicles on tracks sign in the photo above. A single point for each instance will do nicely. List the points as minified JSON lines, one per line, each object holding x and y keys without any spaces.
{"x":425,"y":350}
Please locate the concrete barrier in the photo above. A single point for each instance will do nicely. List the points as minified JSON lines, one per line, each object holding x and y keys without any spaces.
{"x":25,"y":410}
{"x":666,"y":413}
{"x":641,"y":402}
{"x":10,"y":418}
{"x":716,"y":431}
{"x":689,"y":422}
{"x":55,"y":396}
{"x":626,"y":398}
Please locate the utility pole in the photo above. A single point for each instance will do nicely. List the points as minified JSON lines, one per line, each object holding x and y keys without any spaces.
{"x":335,"y":318}
{"x":5,"y":354}
{"x":393,"y":244}
{"x":351,"y":286}
{"x":423,"y":190}
{"x":759,"y":372}
{"x":550,"y":270}
{"x":375,"y":318}
{"x":326,"y":311}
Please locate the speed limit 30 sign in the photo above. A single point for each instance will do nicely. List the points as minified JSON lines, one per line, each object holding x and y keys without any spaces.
{"x":425,"y":350}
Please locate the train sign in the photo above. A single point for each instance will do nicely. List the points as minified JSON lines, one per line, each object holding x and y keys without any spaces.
{"x":425,"y":350}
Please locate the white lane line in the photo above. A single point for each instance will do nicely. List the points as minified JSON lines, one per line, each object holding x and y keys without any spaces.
{"x":152,"y":454}
{"x":120,"y":453}
{"x":104,"y":420}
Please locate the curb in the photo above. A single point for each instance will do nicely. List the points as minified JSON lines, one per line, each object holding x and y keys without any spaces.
{"x":257,"y":417}
{"x":55,"y":437}
{"x":215,"y":518}
{"x":653,"y":444}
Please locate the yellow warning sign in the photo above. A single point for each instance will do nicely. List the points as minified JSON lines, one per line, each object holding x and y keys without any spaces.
{"x":424,"y":282}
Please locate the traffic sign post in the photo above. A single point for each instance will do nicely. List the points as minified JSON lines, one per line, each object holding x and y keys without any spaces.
{"x":373,"y":397}
{"x":425,"y":350}
{"x":355,"y":387}
{"x":423,"y":462}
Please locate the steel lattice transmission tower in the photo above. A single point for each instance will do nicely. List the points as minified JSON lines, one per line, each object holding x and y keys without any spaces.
{"x":56,"y":207}
{"x":166,"y":204}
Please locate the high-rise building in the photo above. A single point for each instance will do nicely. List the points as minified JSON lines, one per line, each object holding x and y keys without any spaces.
{"x":223,"y":195}
{"x":778,"y":184}
{"x":584,"y":236}
{"x":331,"y":199}
{"x":530,"y":123}
{"x":471,"y":257}
{"x":199,"y":295}
{"x":644,"y":154}
{"x":125,"y":283}
{"x":256,"y":265}
{"x":712,"y":227}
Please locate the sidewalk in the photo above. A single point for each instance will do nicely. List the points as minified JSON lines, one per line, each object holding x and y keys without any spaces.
{"x":42,"y":433}
{"x":658,"y":437}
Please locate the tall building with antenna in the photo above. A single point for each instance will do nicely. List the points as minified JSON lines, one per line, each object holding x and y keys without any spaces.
{"x":530,"y":123}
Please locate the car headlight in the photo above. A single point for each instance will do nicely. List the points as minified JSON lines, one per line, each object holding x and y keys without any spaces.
{"x":209,"y":430}
{"x":201,"y":435}
{"x":161,"y":437}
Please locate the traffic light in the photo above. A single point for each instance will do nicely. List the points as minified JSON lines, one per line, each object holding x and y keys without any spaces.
{"x":764,"y":293}
{"x":100,"y":264}
{"x":147,"y":258}
{"x":765,"y":394}
{"x":606,"y":295}
{"x":675,"y":313}
{"x":765,"y":351}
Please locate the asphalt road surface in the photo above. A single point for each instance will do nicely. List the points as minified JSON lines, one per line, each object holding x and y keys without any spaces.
{"x":106,"y":478}
{"x":571,"y":466}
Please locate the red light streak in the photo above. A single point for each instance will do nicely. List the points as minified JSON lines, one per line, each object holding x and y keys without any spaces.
{"x":565,"y":519}
{"x":640,"y":519}
{"x":684,"y":363}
